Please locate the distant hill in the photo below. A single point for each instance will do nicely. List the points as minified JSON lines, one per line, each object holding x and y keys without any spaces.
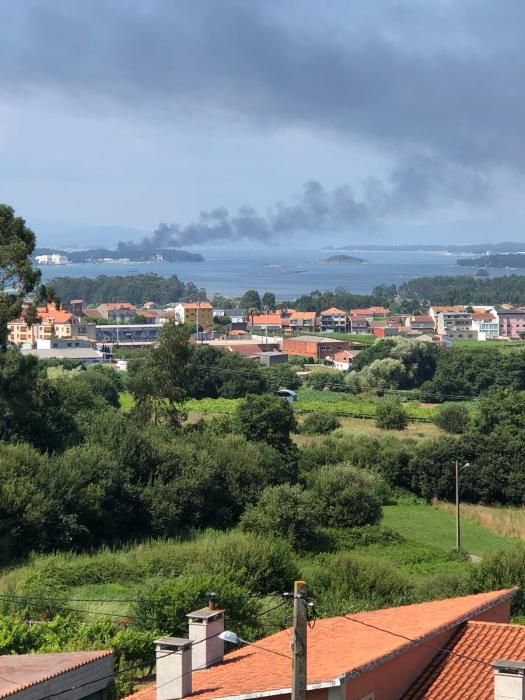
{"x":495,"y":260}
{"x":83,"y":256}
{"x":504,"y":247}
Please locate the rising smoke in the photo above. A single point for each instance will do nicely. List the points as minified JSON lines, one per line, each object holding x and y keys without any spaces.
{"x":419,"y":184}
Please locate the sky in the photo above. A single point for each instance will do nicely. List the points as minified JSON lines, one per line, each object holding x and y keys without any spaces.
{"x":202,"y":123}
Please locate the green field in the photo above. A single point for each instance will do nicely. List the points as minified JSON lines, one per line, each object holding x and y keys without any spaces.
{"x":430,"y":525}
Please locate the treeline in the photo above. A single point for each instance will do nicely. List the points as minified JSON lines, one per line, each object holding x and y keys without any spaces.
{"x":494,"y":260}
{"x":462,"y":289}
{"x":135,"y":289}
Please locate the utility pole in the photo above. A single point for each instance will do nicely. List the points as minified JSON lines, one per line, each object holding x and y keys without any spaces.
{"x":458,"y":531}
{"x":198,"y":306}
{"x":299,"y":641}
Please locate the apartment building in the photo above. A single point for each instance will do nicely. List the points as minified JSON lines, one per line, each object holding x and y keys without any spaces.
{"x":193,"y":313}
{"x":52,"y":323}
{"x":333,"y":321}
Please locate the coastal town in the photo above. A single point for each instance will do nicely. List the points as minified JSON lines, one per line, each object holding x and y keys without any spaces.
{"x":87,"y":334}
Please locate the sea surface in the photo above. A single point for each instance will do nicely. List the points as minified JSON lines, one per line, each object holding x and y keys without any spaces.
{"x":286,"y":273}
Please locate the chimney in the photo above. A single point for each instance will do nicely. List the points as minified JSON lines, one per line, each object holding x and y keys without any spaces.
{"x":509,"y":680}
{"x":173,"y":668}
{"x":204,"y":627}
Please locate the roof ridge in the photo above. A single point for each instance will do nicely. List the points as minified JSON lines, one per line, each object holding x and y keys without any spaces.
{"x":97,"y":654}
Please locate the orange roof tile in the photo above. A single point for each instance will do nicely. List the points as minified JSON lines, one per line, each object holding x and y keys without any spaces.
{"x":27,"y":670}
{"x":303,"y":315}
{"x":450,"y":677}
{"x":332,"y":310}
{"x":195,"y":305}
{"x":267,"y":319}
{"x":336,"y":647}
{"x":423,"y":319}
{"x":51,"y":313}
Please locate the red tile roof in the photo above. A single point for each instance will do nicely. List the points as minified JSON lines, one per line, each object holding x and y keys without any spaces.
{"x":482,"y":316}
{"x":195,"y":305}
{"x":302,"y":316}
{"x":336,"y":647}
{"x":27,"y":670}
{"x":450,"y":677}
{"x":422,"y":319}
{"x":332,"y":311}
{"x":51,"y":313}
{"x":274,"y":319}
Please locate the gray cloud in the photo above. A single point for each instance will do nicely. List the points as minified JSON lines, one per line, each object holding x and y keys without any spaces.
{"x":413,"y":187}
{"x":401,"y":84}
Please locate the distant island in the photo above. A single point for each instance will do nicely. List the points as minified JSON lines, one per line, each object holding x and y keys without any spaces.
{"x":495,"y":260}
{"x":342,"y":259}
{"x":132,"y":255}
{"x":472,"y":248}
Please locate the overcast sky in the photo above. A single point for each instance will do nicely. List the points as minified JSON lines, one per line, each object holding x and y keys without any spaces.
{"x":262,"y":121}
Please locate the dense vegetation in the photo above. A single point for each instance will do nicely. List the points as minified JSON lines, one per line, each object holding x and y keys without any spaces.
{"x":140,"y":513}
{"x":495,"y":260}
{"x":135,"y":289}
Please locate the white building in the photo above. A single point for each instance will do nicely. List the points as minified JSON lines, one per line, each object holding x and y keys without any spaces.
{"x":53,"y":259}
{"x":486,"y":323}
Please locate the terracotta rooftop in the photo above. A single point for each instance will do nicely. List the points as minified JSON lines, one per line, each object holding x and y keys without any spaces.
{"x":333,"y":310}
{"x":302,"y":315}
{"x":422,"y":319}
{"x":18,"y":672}
{"x":197,"y":305}
{"x":267,"y":318}
{"x":51,"y":313}
{"x":451,"y":309}
{"x":451,"y":677}
{"x":337,"y":647}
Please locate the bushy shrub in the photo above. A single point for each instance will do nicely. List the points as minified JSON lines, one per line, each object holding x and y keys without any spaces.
{"x":336,"y":539}
{"x":503,"y":569}
{"x":282,"y":511}
{"x":320,"y":424}
{"x":390,"y":415}
{"x":164,"y":604}
{"x":345,"y":582}
{"x":345,"y":496}
{"x":453,"y":418}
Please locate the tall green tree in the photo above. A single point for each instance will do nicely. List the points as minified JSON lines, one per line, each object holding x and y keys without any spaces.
{"x":18,"y":277}
{"x":250,"y":299}
{"x":266,"y":418}
{"x":159,"y":382}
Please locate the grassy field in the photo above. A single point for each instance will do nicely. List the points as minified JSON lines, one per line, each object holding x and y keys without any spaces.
{"x":105,"y":582}
{"x":436,"y":526}
{"x":504,"y":521}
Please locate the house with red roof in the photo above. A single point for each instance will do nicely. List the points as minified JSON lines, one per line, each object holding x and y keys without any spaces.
{"x":333,"y":320}
{"x":76,"y":675}
{"x":454,"y":649}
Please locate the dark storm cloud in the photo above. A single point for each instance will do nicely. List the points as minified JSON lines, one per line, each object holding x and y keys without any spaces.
{"x":437,"y":87}
{"x":464,"y":102}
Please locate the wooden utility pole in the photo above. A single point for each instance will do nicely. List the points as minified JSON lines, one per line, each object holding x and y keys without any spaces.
{"x":458,"y":531}
{"x":299,"y":641}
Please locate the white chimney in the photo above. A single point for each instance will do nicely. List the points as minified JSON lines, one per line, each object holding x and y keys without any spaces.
{"x":204,"y":627}
{"x":509,"y":680}
{"x":173,"y":668}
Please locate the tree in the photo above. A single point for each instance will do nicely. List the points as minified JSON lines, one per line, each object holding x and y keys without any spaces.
{"x":390,"y":415}
{"x":345,"y":496}
{"x":281,"y":376}
{"x":159,"y":382}
{"x":283,"y":511}
{"x":320,"y":424}
{"x":268,"y":301}
{"x":453,"y":418}
{"x":250,"y":299}
{"x":384,"y":374}
{"x":18,"y":277}
{"x":266,"y":419}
